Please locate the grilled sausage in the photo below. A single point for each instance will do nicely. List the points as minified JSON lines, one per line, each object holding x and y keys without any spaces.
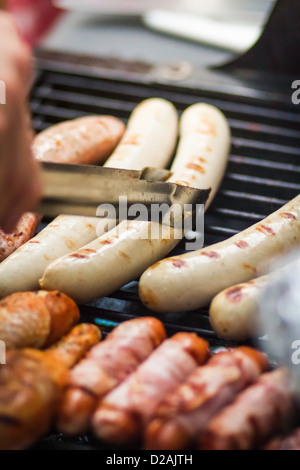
{"x":152,"y":121}
{"x":203,"y":150}
{"x":149,"y":140}
{"x":200,"y":162}
{"x":25,"y":230}
{"x":233,"y":313}
{"x":291,"y":442}
{"x":87,"y":141}
{"x":106,"y":366}
{"x":74,"y":346}
{"x":192,"y":280}
{"x":36,"y":320}
{"x":31,"y":384}
{"x":150,"y":137}
{"x":256,"y":414}
{"x":125,"y":411}
{"x":185,"y":413}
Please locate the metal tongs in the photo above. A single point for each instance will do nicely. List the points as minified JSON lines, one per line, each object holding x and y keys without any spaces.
{"x":81,"y":189}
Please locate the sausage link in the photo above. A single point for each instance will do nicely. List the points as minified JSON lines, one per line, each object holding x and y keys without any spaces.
{"x":124,"y":413}
{"x":86,"y":141}
{"x":200,"y":162}
{"x":31,"y":384}
{"x":290,"y":442}
{"x":24,"y":231}
{"x":105,"y":367}
{"x":36,"y":320}
{"x":233,"y":313}
{"x":185,"y":413}
{"x":192,"y":280}
{"x":67,"y":234}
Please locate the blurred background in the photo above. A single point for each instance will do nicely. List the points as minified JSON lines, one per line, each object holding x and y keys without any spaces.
{"x":202,"y":32}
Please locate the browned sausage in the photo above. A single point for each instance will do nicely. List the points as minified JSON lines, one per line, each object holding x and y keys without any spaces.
{"x":256,"y":414}
{"x":87,"y":140}
{"x":184,"y":414}
{"x":25,"y":230}
{"x":31,"y":383}
{"x":36,"y":319}
{"x":124,"y":413}
{"x":106,"y":366}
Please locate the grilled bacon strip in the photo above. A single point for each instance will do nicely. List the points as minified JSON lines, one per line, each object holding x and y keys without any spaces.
{"x":31,"y":384}
{"x":123,"y":413}
{"x":183,"y":415}
{"x":256,"y":414}
{"x":106,"y":366}
{"x":36,"y":319}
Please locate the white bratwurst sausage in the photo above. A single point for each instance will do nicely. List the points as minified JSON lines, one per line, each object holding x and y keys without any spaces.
{"x":122,"y":255}
{"x":233,"y":312}
{"x":152,"y":120}
{"x":150,"y":137}
{"x":192,"y":280}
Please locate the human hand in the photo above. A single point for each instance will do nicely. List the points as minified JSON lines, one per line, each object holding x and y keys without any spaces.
{"x":19,"y":173}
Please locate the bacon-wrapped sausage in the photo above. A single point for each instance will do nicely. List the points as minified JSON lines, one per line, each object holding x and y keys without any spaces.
{"x":192,"y":280}
{"x":256,"y":414}
{"x":106,"y":366}
{"x":124,"y":413}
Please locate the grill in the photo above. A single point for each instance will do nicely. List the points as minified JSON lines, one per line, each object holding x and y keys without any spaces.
{"x":262,"y":175}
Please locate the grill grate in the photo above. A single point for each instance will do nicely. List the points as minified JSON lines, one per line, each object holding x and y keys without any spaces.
{"x":262,"y":175}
